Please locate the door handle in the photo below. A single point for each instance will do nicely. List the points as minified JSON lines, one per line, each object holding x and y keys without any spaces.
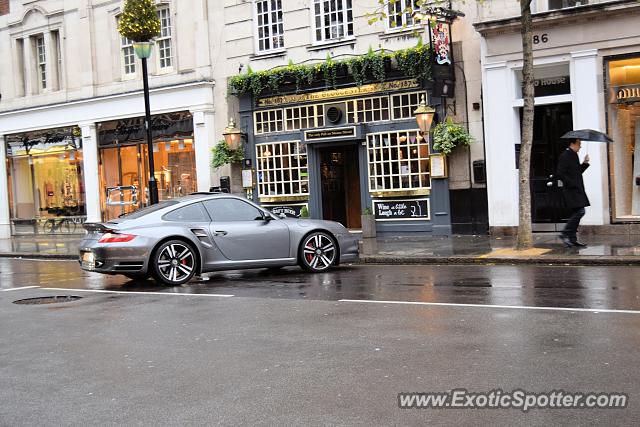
{"x":219,"y":233}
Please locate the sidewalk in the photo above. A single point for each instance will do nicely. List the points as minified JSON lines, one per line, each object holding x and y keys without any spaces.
{"x":463,"y":249}
{"x":411,"y":249}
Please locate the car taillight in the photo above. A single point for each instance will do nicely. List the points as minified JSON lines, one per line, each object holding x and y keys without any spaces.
{"x":116,"y":238}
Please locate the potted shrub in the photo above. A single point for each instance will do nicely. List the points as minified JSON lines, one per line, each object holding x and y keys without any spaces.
{"x":368,"y":223}
{"x":304,"y":212}
{"x":448,"y":135}
{"x":139,"y":20}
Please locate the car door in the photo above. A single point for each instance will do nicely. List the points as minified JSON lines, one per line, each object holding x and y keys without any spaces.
{"x":242,"y":234}
{"x":194,"y":219}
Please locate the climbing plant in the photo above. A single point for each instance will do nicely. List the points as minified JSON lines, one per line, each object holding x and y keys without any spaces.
{"x":414,"y":62}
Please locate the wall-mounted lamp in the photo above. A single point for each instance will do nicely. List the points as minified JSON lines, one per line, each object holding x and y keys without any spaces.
{"x":424,"y":115}
{"x":232,"y":135}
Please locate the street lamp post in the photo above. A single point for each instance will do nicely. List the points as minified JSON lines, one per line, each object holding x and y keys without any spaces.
{"x":143,"y":51}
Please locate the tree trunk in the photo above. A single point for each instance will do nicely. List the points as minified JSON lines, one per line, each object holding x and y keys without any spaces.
{"x":525,"y":238}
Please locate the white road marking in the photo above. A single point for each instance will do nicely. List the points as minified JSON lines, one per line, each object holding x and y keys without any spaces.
{"x":138,"y":293}
{"x":17,"y":289}
{"x":520,"y":307}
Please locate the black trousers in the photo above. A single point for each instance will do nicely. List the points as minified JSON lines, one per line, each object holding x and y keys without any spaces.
{"x":571,"y":228}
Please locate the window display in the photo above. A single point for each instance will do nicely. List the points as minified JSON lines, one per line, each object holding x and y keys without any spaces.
{"x":46,"y":184}
{"x":124,"y":161}
{"x":624,"y":128}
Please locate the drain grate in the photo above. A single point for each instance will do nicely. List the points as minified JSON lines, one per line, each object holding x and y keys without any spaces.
{"x":47,"y":300}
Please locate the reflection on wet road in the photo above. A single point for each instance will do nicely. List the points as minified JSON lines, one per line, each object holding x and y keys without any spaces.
{"x":547,"y":286}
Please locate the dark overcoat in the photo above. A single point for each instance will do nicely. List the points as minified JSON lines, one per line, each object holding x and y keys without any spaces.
{"x":570,"y":173}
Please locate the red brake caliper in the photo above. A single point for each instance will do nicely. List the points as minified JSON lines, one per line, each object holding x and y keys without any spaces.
{"x":309,"y":256}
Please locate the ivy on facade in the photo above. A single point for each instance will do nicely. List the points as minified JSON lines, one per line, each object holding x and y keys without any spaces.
{"x":413,"y":62}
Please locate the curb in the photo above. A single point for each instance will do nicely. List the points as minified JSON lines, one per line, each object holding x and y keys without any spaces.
{"x":27,"y":255}
{"x":583,"y":260}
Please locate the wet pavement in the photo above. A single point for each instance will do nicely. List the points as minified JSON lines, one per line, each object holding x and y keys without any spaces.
{"x":616,"y":287}
{"x":287,"y":349}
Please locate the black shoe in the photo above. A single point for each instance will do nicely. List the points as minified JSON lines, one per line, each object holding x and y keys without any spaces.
{"x":578,"y":244}
{"x":566,"y":240}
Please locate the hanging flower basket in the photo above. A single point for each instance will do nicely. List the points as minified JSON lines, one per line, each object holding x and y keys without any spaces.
{"x":139,"y":20}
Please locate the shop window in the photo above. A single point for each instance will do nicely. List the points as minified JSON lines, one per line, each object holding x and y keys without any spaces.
{"x":46,"y":182}
{"x":398,"y":161}
{"x":403,"y":105}
{"x":268,"y":121}
{"x":164,"y":40}
{"x":282,"y":169}
{"x":310,"y":116}
{"x":363,"y":110}
{"x":124,"y":160}
{"x":333,"y":19}
{"x":269,"y":25}
{"x":400,"y":14}
{"x":624,"y":128}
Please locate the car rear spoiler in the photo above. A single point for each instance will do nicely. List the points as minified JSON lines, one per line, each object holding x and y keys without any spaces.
{"x":97,"y":227}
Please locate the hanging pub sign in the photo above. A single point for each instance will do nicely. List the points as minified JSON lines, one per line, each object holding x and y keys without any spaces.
{"x":441,"y":43}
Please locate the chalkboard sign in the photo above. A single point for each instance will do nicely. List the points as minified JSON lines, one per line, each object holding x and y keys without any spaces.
{"x":392,"y":210}
{"x":292,"y":211}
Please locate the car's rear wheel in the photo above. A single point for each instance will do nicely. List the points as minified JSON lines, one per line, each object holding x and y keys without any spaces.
{"x":318,"y":252}
{"x":174,"y":263}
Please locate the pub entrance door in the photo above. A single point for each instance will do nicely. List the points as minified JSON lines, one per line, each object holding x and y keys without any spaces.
{"x":340,"y":185}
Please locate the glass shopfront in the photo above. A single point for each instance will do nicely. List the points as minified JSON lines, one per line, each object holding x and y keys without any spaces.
{"x":624,"y":127}
{"x":124,"y":161}
{"x":45,"y":175}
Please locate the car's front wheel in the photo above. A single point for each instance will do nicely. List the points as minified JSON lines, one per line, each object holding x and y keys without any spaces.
{"x":174,"y":263}
{"x":318,"y":252}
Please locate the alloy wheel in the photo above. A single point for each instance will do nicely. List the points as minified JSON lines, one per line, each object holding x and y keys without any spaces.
{"x":318,"y":252}
{"x":175,"y":263}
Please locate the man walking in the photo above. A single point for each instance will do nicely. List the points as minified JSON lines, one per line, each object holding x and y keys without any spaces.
{"x":570,"y":173}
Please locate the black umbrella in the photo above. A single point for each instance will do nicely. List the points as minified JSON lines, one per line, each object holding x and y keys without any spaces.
{"x":587,"y":135}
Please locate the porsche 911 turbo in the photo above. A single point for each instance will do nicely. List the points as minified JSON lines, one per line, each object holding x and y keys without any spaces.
{"x":175,"y":240}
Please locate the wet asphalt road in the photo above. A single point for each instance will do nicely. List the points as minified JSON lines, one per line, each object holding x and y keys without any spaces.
{"x":285,"y":350}
{"x":545,"y":286}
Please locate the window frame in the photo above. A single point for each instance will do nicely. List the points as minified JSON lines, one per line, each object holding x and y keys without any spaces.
{"x":404,"y":26}
{"x":256,"y":28}
{"x":389,"y":161}
{"x":41,"y":61}
{"x":346,"y":11}
{"x":127,"y":51}
{"x":280,"y":171}
{"x":164,"y":39}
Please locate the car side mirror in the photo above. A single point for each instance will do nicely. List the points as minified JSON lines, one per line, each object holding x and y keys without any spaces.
{"x":265,"y":216}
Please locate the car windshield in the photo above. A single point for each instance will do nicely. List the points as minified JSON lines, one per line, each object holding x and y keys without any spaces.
{"x":150,"y":209}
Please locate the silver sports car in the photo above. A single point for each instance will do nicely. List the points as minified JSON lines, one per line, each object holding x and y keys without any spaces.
{"x":177,"y":239}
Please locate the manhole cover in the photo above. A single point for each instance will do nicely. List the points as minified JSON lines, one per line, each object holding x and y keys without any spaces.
{"x":48,"y":300}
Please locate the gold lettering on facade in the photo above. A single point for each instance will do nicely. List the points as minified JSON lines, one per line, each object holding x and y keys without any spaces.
{"x":339,"y":93}
{"x":627,"y":93}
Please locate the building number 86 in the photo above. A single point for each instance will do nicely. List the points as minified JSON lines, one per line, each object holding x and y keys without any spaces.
{"x":540,"y":39}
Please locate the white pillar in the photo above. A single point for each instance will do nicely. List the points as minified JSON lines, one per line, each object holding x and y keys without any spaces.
{"x":31,"y":79}
{"x":501,"y":134}
{"x":5,"y":220}
{"x":588,"y":114}
{"x":203,"y":140}
{"x":91,"y":177}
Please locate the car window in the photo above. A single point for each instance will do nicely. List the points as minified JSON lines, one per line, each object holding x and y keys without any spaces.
{"x":150,"y":209}
{"x":189,"y":213}
{"x":231,"y":210}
